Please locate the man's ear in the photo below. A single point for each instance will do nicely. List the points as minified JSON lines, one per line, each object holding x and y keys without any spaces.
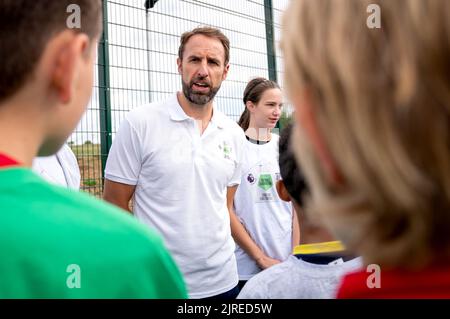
{"x":282,"y":191}
{"x":64,"y":53}
{"x":306,"y":118}
{"x":225,"y":72}
{"x":179,"y":63}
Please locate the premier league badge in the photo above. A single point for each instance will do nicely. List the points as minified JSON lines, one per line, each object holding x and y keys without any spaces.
{"x":251,"y":179}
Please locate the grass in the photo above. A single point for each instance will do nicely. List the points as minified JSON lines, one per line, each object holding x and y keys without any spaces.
{"x":90,"y":182}
{"x":89,"y":162}
{"x":86,"y":150}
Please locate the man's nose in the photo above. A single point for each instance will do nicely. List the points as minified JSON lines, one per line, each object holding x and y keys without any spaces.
{"x":202,"y":70}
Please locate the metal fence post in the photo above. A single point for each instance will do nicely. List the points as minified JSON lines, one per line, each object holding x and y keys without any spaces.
{"x":104,"y":91}
{"x":149,"y":4}
{"x":270,"y":40}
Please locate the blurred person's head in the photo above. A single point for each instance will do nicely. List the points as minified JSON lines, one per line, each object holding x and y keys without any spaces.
{"x":46,"y":65}
{"x":203,"y":63}
{"x":263,"y":102}
{"x":374,"y":112}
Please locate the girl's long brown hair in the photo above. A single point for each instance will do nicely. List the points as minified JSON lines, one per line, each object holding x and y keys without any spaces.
{"x":253,"y":93}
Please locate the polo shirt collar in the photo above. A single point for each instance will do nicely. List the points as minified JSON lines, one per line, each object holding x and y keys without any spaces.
{"x":177,"y":114}
{"x":218,"y":119}
{"x":175,"y":111}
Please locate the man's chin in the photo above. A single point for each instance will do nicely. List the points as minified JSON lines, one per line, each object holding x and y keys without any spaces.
{"x":199,"y":99}
{"x":205,"y":92}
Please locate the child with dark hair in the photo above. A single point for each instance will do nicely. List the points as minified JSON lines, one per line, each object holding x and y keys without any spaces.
{"x":319,"y":262}
{"x":57,"y":243}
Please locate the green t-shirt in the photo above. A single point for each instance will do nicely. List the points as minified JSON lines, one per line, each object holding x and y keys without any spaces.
{"x":57,"y":243}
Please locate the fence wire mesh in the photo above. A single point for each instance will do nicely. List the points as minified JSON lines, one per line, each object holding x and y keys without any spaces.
{"x":137,"y":64}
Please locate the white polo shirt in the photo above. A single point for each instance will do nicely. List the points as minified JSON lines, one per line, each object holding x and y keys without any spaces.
{"x":181,"y":180}
{"x":61,"y":168}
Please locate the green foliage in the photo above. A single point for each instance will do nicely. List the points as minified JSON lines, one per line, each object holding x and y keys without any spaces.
{"x":90,"y":182}
{"x":285,"y":119}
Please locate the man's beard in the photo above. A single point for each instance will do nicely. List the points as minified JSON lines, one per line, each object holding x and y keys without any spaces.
{"x":197,"y":98}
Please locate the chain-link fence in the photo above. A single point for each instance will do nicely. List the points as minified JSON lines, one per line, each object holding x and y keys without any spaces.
{"x":137,"y":63}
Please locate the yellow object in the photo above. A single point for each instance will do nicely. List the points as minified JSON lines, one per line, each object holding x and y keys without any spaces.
{"x":319,"y":248}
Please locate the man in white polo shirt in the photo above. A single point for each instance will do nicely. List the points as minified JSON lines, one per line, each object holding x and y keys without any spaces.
{"x":181,"y":159}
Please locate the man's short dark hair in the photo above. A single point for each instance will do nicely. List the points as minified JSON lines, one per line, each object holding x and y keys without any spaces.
{"x":290,"y":172}
{"x":25,"y":28}
{"x":208,"y":32}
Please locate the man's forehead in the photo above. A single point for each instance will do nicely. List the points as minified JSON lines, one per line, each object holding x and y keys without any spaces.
{"x":200,"y":45}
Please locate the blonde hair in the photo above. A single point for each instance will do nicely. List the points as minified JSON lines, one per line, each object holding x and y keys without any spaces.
{"x":382,"y":103}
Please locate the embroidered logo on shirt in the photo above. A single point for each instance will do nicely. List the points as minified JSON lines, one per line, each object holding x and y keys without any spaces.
{"x":226,"y":150}
{"x":251,"y":179}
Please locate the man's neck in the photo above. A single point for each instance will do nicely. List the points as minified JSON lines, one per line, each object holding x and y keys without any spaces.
{"x":202,"y":114}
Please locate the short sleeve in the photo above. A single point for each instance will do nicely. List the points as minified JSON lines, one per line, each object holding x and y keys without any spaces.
{"x":70,"y":167}
{"x":237,"y":175}
{"x":125,"y":156}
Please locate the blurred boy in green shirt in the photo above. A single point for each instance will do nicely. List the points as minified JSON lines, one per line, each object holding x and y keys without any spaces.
{"x":56,"y":243}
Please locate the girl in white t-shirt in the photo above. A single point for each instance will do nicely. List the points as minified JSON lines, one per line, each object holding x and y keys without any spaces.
{"x":264,"y":227}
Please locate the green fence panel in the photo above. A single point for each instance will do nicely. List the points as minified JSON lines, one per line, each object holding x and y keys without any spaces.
{"x":137,"y":63}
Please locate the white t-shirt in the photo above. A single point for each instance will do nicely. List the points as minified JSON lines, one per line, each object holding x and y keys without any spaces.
{"x":266,"y":217}
{"x":61,"y":168}
{"x":181,"y":180}
{"x":297,"y":279}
